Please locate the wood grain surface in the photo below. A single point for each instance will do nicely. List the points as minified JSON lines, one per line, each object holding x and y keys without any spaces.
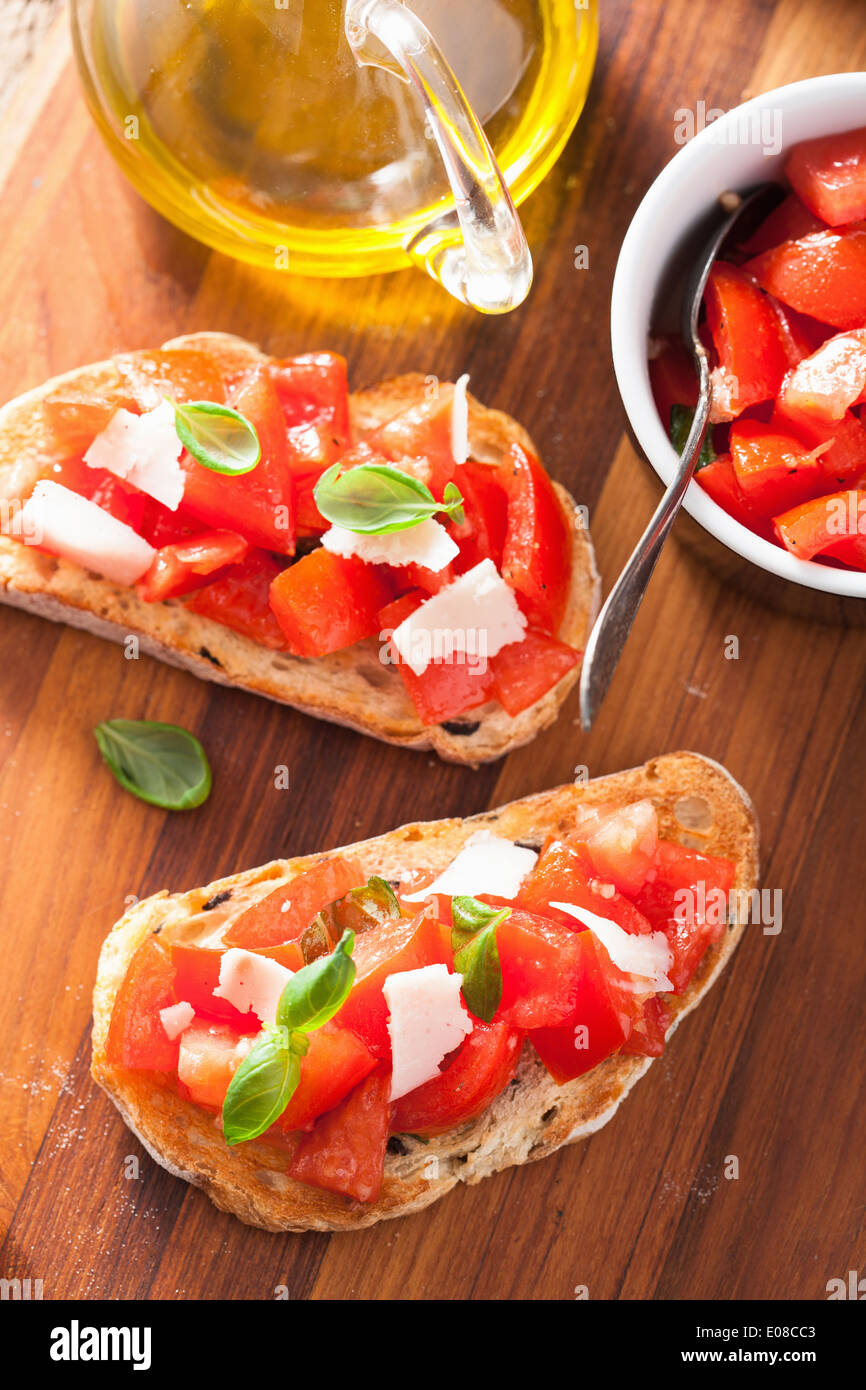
{"x":767,"y":1071}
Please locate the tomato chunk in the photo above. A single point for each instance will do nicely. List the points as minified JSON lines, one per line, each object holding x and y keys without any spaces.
{"x":747,"y":339}
{"x":120,"y":499}
{"x":622,"y":846}
{"x":536,"y":559}
{"x":672,"y":377}
{"x":826,"y":384}
{"x":543,"y":965}
{"x":823,"y":275}
{"x":482,"y":1067}
{"x":451,"y":684}
{"x":196,"y":976}
{"x":845,"y":459}
{"x":136,"y":1037}
{"x":422,"y":432}
{"x":326,"y":602}
{"x":285,"y":914}
{"x":601,"y":1019}
{"x":565,"y":873}
{"x":647,"y":1038}
{"x":687,"y":900}
{"x":524,"y":671}
{"x":834,"y":525}
{"x":240,"y":599}
{"x":394,"y":946}
{"x":336,"y":1061}
{"x":345,"y":1151}
{"x":788,"y":222}
{"x":481,"y":534}
{"x":186,"y":565}
{"x":259,"y":504}
{"x":774,"y":470}
{"x":720,"y":481}
{"x":314,"y":395}
{"x":209,"y":1055}
{"x":829,"y":174}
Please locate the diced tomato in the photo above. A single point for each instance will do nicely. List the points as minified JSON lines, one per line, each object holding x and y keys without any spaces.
{"x":829,"y":174}
{"x":826,"y":384}
{"x":720,"y":481}
{"x":98,"y":485}
{"x":325,"y":602}
{"x":565,"y":873}
{"x":823,"y":275}
{"x":336,"y":1061}
{"x":601,"y":1019}
{"x":184,"y":374}
{"x":543,"y":967}
{"x":672,"y":377}
{"x":684,"y":899}
{"x":419,"y":577}
{"x":186,"y":565}
{"x":647,"y":1038}
{"x":240,"y":599}
{"x":524,"y":671}
{"x":623,"y":845}
{"x":536,"y":559}
{"x":285,"y":914}
{"x":834,"y":525}
{"x":345,"y":1151}
{"x":394,"y":946}
{"x":449,"y":686}
{"x":422,"y":432}
{"x":481,"y":534}
{"x":801,"y":336}
{"x":314,"y":395}
{"x":196,"y":976}
{"x":747,"y":339}
{"x":136,"y":1037}
{"x":483,"y":1066}
{"x":788,"y":222}
{"x":774,"y":470}
{"x":259,"y":504}
{"x":209,"y":1055}
{"x":845,"y":460}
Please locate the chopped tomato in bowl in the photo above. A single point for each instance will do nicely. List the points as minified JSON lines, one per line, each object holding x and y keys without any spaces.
{"x":411,"y":1008}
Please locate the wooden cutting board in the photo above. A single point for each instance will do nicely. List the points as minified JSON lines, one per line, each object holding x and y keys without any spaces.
{"x":766,"y":1072}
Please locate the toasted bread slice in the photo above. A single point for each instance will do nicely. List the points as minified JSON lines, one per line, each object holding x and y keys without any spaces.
{"x":698,"y":803}
{"x":350,"y":687}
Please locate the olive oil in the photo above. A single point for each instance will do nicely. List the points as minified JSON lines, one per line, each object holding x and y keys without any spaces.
{"x":249,"y":123}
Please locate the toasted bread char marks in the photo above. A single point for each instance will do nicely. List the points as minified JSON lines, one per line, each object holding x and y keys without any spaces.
{"x":349,"y":687}
{"x":531,"y":1118}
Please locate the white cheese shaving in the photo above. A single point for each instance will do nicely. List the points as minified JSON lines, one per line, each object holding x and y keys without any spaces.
{"x":487,"y":863}
{"x":252,"y":982}
{"x":647,"y":956}
{"x":176,"y":1018}
{"x":427,"y":544}
{"x":472,"y":618}
{"x":144,"y":450}
{"x":460,"y":420}
{"x":61,"y":521}
{"x":427,"y":1020}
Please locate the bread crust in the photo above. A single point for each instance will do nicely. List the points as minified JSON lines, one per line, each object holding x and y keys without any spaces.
{"x":530,"y":1119}
{"x":350,"y":687}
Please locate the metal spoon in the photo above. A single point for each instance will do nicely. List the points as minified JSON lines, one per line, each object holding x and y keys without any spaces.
{"x":613,"y":623}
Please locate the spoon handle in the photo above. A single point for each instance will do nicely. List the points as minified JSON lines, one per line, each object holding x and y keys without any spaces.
{"x":613,"y":624}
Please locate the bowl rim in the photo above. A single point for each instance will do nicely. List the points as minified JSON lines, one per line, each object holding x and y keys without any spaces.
{"x":629,"y":341}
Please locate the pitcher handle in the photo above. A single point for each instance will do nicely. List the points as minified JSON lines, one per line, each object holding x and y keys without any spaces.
{"x":491,"y":270}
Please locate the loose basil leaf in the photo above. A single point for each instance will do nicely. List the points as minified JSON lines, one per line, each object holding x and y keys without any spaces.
{"x":680,"y":426}
{"x":376,"y":498}
{"x":315,"y":993}
{"x":478,"y":963}
{"x":217,"y":436}
{"x":159,"y":763}
{"x":262,"y":1086}
{"x":469,"y":915}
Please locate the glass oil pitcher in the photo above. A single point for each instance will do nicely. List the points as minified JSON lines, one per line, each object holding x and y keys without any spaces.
{"x":343,"y":137}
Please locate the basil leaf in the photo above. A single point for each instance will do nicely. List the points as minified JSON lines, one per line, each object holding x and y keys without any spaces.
{"x":261,"y":1088}
{"x":469,"y":915}
{"x":159,"y":763}
{"x":217,"y":437}
{"x":376,"y":498}
{"x":315,"y":993}
{"x":478,"y":963}
{"x":681,"y":423}
{"x":454,"y":503}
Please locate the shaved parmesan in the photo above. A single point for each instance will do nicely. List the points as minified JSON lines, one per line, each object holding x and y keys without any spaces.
{"x":476,"y":616}
{"x":427,"y":544}
{"x":144,"y":450}
{"x":647,"y":956}
{"x":60,"y":521}
{"x":487,"y":864}
{"x":176,"y":1018}
{"x":252,"y":982}
{"x":427,"y":1021}
{"x":460,"y":420}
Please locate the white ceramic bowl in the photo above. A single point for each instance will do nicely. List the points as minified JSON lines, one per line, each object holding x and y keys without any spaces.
{"x":735,"y":152}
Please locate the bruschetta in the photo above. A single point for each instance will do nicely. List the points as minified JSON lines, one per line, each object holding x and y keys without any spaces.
{"x":449,"y":623}
{"x":326,"y":1042}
